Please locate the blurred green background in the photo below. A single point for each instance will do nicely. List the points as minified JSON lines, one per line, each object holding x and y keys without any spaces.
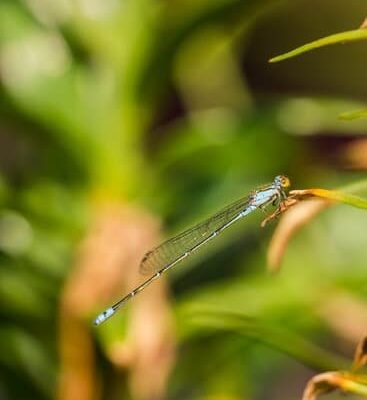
{"x":171,"y":107}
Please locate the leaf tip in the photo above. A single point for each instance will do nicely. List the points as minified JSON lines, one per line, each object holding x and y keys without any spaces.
{"x":275,"y":59}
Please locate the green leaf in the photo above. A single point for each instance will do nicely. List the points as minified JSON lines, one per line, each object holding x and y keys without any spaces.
{"x":281,"y":339}
{"x":352,"y":115}
{"x":333,"y":195}
{"x":342,"y":37}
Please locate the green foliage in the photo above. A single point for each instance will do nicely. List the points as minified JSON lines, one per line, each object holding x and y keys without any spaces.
{"x":338,"y":38}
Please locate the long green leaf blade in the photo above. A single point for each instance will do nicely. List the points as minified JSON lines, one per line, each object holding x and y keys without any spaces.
{"x":342,"y":37}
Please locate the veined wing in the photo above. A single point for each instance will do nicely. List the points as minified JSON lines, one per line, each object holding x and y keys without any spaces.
{"x":173,"y":249}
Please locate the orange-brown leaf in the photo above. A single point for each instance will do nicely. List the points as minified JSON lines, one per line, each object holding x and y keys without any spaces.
{"x":329,"y":381}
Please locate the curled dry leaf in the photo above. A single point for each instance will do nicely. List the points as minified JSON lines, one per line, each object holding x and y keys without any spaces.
{"x":329,"y":381}
{"x":295,"y":218}
{"x":344,"y":381}
{"x":321,"y":384}
{"x":324,"y":383}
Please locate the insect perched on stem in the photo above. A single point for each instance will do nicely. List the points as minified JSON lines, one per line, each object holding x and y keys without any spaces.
{"x":176,"y":249}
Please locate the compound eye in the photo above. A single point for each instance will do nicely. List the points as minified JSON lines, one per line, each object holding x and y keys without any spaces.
{"x":285,"y":182}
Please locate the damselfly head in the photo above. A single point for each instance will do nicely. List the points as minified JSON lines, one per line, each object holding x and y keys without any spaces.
{"x":283,"y":181}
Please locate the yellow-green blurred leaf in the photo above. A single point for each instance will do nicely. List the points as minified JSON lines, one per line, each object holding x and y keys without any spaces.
{"x":343,"y":37}
{"x":351,"y":115}
{"x":333,"y":195}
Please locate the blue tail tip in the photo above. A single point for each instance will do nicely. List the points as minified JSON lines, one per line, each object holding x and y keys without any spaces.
{"x":104,"y":316}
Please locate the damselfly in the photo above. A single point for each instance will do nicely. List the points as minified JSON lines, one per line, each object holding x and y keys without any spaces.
{"x":172,"y":251}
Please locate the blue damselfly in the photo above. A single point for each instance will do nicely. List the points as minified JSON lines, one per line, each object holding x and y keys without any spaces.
{"x":176,"y":249}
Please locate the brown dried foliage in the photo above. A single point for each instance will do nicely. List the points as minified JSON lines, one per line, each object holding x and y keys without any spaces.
{"x":107,"y":265}
{"x":325,"y":383}
{"x":344,"y":381}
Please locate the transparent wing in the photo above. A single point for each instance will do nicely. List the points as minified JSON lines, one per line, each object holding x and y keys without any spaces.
{"x":173,"y":248}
